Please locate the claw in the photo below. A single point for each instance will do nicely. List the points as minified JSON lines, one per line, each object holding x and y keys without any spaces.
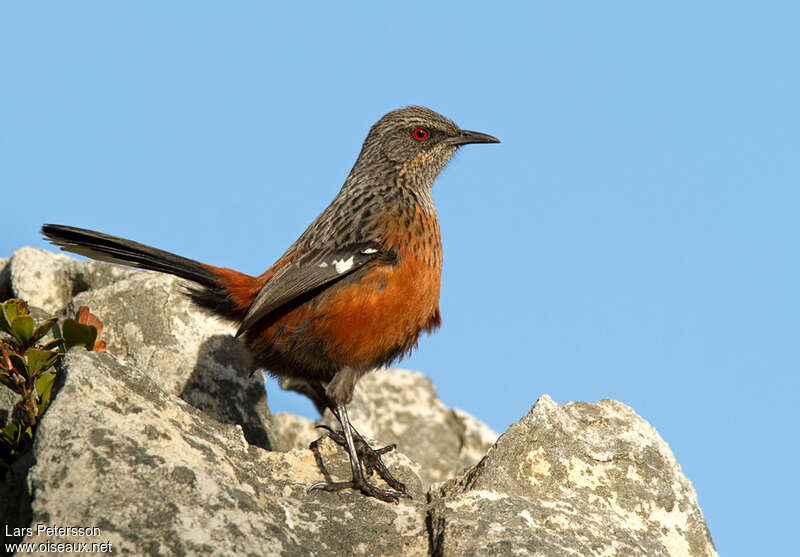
{"x":364,"y":461}
{"x":365,"y":487}
{"x":369,"y":458}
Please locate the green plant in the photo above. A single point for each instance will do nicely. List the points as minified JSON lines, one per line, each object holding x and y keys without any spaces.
{"x":29,"y":364}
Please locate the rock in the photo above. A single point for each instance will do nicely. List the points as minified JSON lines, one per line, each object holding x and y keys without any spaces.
{"x":49,"y":281}
{"x":161,"y":443}
{"x":401,"y":407}
{"x":149,"y":323}
{"x":292,"y":432}
{"x":159,"y":477}
{"x":578,"y":479}
{"x":8,"y":399}
{"x":476,"y":437}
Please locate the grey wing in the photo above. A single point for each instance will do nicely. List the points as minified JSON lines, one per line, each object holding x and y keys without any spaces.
{"x":311,"y":270}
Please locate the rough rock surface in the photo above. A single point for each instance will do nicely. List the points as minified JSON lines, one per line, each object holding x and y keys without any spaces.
{"x":7,"y":401}
{"x":162,"y":443}
{"x":49,"y":280}
{"x":159,"y":477}
{"x":149,"y":324}
{"x":577,"y":479}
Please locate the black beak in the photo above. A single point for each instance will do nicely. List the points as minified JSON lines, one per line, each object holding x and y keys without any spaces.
{"x":466,"y":136}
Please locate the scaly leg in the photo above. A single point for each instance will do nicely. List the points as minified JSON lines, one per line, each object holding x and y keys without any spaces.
{"x":359,"y":450}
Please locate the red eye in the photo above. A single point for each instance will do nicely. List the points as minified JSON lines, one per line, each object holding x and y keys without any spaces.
{"x":420,"y":134}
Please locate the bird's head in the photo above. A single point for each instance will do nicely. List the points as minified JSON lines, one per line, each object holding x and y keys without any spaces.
{"x":416,"y":143}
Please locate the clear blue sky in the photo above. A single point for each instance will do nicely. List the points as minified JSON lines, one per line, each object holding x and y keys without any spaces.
{"x":635,"y":236}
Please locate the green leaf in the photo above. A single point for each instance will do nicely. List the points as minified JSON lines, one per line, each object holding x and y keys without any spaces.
{"x":76,"y":334}
{"x":13,"y":308}
{"x":44,"y":387}
{"x":13,"y":434}
{"x":43,"y":328}
{"x":10,"y":432}
{"x":22,"y":327}
{"x":10,"y":309}
{"x":55,"y":343}
{"x":39,"y":360}
{"x":19,"y":363}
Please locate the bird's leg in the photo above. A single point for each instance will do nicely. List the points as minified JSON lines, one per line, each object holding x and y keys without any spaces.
{"x":362,"y":448}
{"x":371,"y":459}
{"x":367,"y":456}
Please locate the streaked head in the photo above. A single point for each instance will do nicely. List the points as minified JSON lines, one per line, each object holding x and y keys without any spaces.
{"x":417,"y":142}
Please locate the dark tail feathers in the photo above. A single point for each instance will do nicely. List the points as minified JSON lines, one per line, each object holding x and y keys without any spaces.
{"x":118,"y":250}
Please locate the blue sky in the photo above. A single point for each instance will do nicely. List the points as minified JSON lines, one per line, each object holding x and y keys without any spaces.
{"x":634,"y":236}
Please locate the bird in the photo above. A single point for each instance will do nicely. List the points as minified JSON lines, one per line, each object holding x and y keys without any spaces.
{"x":353,"y":293}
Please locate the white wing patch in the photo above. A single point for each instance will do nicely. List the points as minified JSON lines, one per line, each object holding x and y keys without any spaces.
{"x":323,"y":265}
{"x":369,"y":251}
{"x":343,"y":265}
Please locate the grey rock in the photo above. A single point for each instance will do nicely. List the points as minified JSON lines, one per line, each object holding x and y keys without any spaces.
{"x":578,"y":479}
{"x":8,"y":399}
{"x":160,"y":443}
{"x":292,"y":432}
{"x":159,"y":477}
{"x":49,"y":280}
{"x":150,"y":324}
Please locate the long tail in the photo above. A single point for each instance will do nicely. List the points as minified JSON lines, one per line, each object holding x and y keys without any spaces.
{"x":226,"y":292}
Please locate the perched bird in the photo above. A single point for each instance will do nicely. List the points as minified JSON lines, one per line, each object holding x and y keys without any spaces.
{"x":353,"y":293}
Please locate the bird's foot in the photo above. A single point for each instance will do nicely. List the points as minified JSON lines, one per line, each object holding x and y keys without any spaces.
{"x":371,"y":460}
{"x":387,"y":495}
